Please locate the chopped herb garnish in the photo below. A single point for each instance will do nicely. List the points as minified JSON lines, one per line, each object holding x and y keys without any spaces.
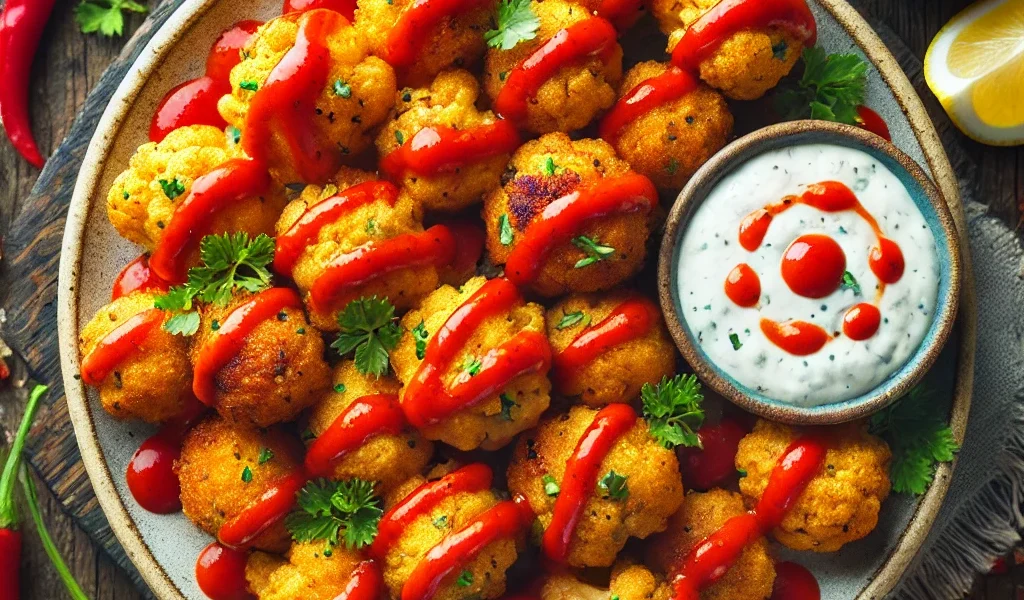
{"x":368,"y":327}
{"x":420,"y":334}
{"x":572,"y":319}
{"x":735,"y":339}
{"x":371,"y":226}
{"x":336,"y":511}
{"x":339,"y":388}
{"x":850,"y":283}
{"x":672,"y":166}
{"x":741,"y":472}
{"x":249,"y":85}
{"x":246,"y":474}
{"x":505,"y":232}
{"x":549,"y":166}
{"x":342,"y":89}
{"x":613,"y":486}
{"x":234,"y":134}
{"x":551,"y":487}
{"x":266,"y":455}
{"x":674,"y":410}
{"x":126,"y":195}
{"x":399,"y":137}
{"x":440,"y":522}
{"x":515,"y":22}
{"x":779,"y":50}
{"x":172,"y":188}
{"x":506,"y":406}
{"x":465,"y":579}
{"x":593,"y":249}
{"x":472,"y":365}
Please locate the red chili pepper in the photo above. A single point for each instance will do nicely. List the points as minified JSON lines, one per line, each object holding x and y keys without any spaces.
{"x":21,"y":27}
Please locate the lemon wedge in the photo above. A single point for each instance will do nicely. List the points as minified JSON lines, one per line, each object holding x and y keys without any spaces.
{"x":975,"y":66}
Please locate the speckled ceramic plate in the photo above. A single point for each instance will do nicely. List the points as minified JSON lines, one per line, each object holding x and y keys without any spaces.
{"x":164,"y":548}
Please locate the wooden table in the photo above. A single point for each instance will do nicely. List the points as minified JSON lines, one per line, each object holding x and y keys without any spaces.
{"x":70,"y":63}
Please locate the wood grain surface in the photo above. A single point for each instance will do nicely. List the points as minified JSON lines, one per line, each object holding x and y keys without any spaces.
{"x":70,"y":65}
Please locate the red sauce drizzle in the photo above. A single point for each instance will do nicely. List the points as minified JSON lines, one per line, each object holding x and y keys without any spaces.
{"x":366,"y":583}
{"x":628,"y":321}
{"x":227,"y":50}
{"x":622,"y":13}
{"x":715,"y":460}
{"x":581,"y":473}
{"x":301,"y":234}
{"x":861,"y":321}
{"x":592,"y":37}
{"x":151,"y":477}
{"x":338,"y":283}
{"x":125,"y":339}
{"x":471,"y":478}
{"x":220,"y":573}
{"x":743,"y":286}
{"x":137,"y":277}
{"x":230,"y":338}
{"x":441,"y":149}
{"x":428,"y":400}
{"x":367,"y":417}
{"x":405,"y":40}
{"x":288,"y":100}
{"x":469,"y":245}
{"x":706,"y":34}
{"x":233,"y":181}
{"x":794,"y":582}
{"x":346,"y":8}
{"x":645,"y":97}
{"x":796,"y":337}
{"x":193,"y":102}
{"x":873,"y":122}
{"x":712,"y":558}
{"x":272,"y":506}
{"x":813,"y":265}
{"x":561,"y":220}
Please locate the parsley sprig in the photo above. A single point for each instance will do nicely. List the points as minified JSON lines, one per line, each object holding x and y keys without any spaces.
{"x":337,"y":512}
{"x":515,"y":22}
{"x":369,"y":328}
{"x":105,"y":16}
{"x":918,"y":437}
{"x":674,"y":410}
{"x":831,"y":89}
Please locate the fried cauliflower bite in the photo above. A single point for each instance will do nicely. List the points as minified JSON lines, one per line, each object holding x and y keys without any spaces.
{"x":373,"y":222}
{"x":457,"y":41}
{"x":488,"y":424}
{"x":149,"y":384}
{"x":305,"y":572}
{"x":618,"y":373}
{"x":143,"y":198}
{"x":358,"y":96}
{"x":214,"y":455}
{"x":452,"y":514}
{"x":449,"y":102}
{"x":703,"y":513}
{"x":278,"y":373}
{"x":576,"y":93}
{"x":651,"y":472}
{"x":385,"y":459}
{"x":544,"y":170}
{"x":669,"y":143}
{"x":628,"y":582}
{"x":841,"y":503}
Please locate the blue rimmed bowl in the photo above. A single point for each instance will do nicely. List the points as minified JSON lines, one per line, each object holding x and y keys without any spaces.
{"x":924,"y":194}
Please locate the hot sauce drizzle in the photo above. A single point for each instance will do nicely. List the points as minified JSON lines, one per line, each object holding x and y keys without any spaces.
{"x":406,"y":38}
{"x":286,"y":102}
{"x":193,"y":102}
{"x":233,"y":181}
{"x":272,"y":506}
{"x":622,"y":13}
{"x":706,"y":34}
{"x":366,"y":583}
{"x":711,"y":558}
{"x":581,"y":473}
{"x":428,"y":400}
{"x":136,"y":276}
{"x":645,"y":97}
{"x":561,"y":220}
{"x":126,"y":338}
{"x":227,"y":50}
{"x":440,"y":149}
{"x":367,"y":417}
{"x":220,"y":573}
{"x":229,"y":339}
{"x":336,"y":286}
{"x":592,"y":37}
{"x":794,"y":582}
{"x":304,"y":231}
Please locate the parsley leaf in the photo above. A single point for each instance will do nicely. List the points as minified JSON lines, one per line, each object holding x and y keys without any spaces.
{"x":368,"y":327}
{"x":186,"y":323}
{"x":551,"y":487}
{"x":249,"y":85}
{"x":472,"y":365}
{"x":505,"y":232}
{"x":613,"y":486}
{"x":440,"y":522}
{"x":420,"y":334}
{"x":593,"y":249}
{"x":831,"y":89}
{"x":345,"y":511}
{"x":549,"y":166}
{"x":850,"y":283}
{"x":105,"y":16}
{"x":465,"y":579}
{"x":506,"y":406}
{"x":266,"y":455}
{"x":173,"y":188}
{"x":516,"y":22}
{"x":918,"y":437}
{"x":247,"y":474}
{"x":572,"y":319}
{"x":735,"y":339}
{"x":674,"y":410}
{"x":342,"y":89}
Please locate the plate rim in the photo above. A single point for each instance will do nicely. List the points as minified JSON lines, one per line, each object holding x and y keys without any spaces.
{"x":153,"y":573}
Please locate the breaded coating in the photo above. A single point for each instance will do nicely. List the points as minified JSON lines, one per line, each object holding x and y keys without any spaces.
{"x":487,"y":424}
{"x":544,"y":170}
{"x":617,"y":374}
{"x":841,"y":503}
{"x":279,"y":372}
{"x":214,"y":456}
{"x":457,"y":41}
{"x":651,"y":472}
{"x":143,"y":198}
{"x":357,"y":98}
{"x":703,"y":513}
{"x":669,"y":143}
{"x":576,"y":93}
{"x":148,"y":384}
{"x":387,"y":459}
{"x":451,"y":515}
{"x":628,"y":582}
{"x":373,"y":222}
{"x":305,"y":573}
{"x":678,"y":14}
{"x":449,"y":102}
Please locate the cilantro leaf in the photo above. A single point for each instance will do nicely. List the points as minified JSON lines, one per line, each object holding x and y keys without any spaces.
{"x":734,"y":338}
{"x":186,"y":323}
{"x":572,"y":319}
{"x":613,"y":486}
{"x":507,"y":403}
{"x":549,"y":166}
{"x":551,"y":487}
{"x":342,"y":89}
{"x":850,"y":283}
{"x":266,"y":455}
{"x":831,"y":89}
{"x":249,"y":85}
{"x":368,"y":327}
{"x":593,"y":249}
{"x":420,"y":334}
{"x":247,"y":475}
{"x":472,"y":365}
{"x":674,"y":410}
{"x":172,"y":188}
{"x":506,"y":235}
{"x":465,"y":579}
{"x":336,"y":511}
{"x":918,"y":437}
{"x":105,"y":16}
{"x":516,"y":22}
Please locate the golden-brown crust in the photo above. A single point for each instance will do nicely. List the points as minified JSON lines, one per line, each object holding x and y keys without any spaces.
{"x":306,"y":572}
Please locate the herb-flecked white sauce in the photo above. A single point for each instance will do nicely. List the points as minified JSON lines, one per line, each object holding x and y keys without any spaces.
{"x":731,"y":335}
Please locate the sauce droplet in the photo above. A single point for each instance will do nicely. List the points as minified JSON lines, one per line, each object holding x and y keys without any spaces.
{"x":794,"y":582}
{"x":743,"y":286}
{"x":861,"y":321}
{"x":886,"y":260}
{"x":869,"y":120}
{"x":813,"y":265}
{"x":796,"y":337}
{"x":191,"y":103}
{"x":227,"y":50}
{"x":151,"y":477}
{"x":220,"y":573}
{"x":137,"y":277}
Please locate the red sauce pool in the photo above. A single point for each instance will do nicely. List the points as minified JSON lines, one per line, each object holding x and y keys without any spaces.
{"x":367,"y":417}
{"x":346,"y":8}
{"x":871,"y":121}
{"x":151,"y":477}
{"x":193,"y":102}
{"x":126,"y":339}
{"x":813,"y":265}
{"x":227,"y":50}
{"x":715,"y":461}
{"x":136,"y":276}
{"x":220,"y":573}
{"x":442,"y":149}
{"x":743,"y":286}
{"x":799,"y":338}
{"x":645,"y":97}
{"x":405,"y":40}
{"x":794,"y":582}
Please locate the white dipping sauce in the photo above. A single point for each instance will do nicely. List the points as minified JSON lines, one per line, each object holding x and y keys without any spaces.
{"x":843,"y":368}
